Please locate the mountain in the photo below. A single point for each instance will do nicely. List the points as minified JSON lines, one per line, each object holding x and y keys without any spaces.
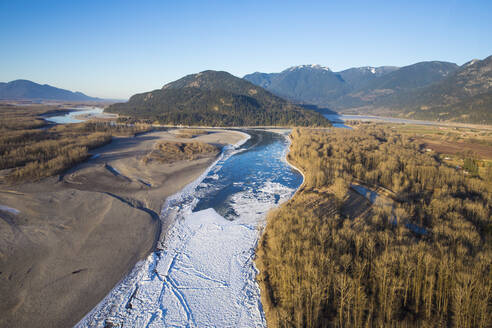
{"x":24,"y":89}
{"x":405,"y":78}
{"x":464,"y":95}
{"x":313,"y":84}
{"x":358,"y":77}
{"x":354,"y":87}
{"x":215,"y":98}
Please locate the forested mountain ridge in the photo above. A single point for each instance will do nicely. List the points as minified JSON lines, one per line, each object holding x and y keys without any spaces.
{"x":216,"y":98}
{"x":312,"y":84}
{"x":24,"y":89}
{"x":357,"y":77}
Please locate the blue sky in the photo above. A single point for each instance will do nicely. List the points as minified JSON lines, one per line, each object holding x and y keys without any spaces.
{"x":114,"y":49}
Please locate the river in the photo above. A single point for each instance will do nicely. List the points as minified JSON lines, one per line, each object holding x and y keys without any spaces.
{"x":78,"y":115}
{"x":204,"y":274}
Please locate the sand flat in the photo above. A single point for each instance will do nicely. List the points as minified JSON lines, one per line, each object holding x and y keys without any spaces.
{"x":75,"y":236}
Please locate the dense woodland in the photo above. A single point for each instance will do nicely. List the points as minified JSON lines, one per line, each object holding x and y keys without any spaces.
{"x":423,"y":259}
{"x":30,"y":149}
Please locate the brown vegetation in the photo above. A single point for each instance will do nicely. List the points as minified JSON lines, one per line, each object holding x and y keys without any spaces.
{"x":31,"y":153}
{"x":424,"y":261}
{"x":190,"y":133}
{"x":169,"y":152}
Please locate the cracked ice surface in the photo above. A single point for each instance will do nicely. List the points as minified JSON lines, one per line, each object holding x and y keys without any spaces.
{"x":204,"y":278}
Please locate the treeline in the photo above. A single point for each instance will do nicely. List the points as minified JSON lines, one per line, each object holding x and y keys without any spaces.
{"x":422,"y":260}
{"x":31,"y":154}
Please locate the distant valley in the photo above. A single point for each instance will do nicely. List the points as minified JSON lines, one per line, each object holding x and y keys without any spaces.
{"x":431,"y":90}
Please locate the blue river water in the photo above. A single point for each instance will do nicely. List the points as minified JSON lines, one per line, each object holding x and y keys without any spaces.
{"x":70,"y":117}
{"x":256,"y":172}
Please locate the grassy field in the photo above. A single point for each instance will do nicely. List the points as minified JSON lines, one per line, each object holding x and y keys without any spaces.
{"x":170,"y":151}
{"x":31,"y":150}
{"x":424,"y":259}
{"x":454,"y":146}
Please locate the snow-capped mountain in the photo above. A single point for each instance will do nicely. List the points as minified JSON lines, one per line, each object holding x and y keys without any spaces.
{"x":309,"y":67}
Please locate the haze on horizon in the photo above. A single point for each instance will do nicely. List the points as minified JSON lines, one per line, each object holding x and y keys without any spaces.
{"x":114,"y":49}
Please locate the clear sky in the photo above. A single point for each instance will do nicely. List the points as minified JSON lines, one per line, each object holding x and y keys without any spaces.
{"x":114,"y":49}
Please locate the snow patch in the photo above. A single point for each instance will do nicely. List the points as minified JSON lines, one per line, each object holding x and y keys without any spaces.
{"x":309,"y":66}
{"x":9,"y":209}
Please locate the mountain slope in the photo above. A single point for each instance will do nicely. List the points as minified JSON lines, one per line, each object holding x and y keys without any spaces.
{"x":216,"y":98}
{"x":465,"y":95}
{"x":358,"y":77}
{"x":24,"y":89}
{"x":405,"y":78}
{"x":414,"y":76}
{"x":312,"y":84}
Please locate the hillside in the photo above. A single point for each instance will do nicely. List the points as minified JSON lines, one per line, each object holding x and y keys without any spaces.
{"x":216,"y":98}
{"x":312,"y":84}
{"x":359,"y":77}
{"x":401,"y":80}
{"x":465,"y":96}
{"x":24,"y":89}
{"x":432,"y":90}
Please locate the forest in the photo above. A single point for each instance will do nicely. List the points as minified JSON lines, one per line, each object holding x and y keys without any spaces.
{"x":420,"y":256}
{"x":31,"y":149}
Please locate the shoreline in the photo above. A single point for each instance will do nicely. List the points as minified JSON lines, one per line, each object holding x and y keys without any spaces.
{"x":112,"y":212}
{"x":167,"y":222}
{"x":295,"y":168}
{"x":190,"y":187}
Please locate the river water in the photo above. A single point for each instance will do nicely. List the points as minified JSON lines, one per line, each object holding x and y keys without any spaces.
{"x":204,"y":274}
{"x":74,"y":116}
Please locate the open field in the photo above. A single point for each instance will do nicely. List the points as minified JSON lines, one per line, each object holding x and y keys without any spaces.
{"x":457,"y":147}
{"x":67,"y":240}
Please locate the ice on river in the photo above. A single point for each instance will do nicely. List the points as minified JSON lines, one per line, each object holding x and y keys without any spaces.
{"x":205,"y":276}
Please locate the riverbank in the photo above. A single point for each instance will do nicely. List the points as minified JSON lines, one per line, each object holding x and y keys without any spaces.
{"x":72,"y":238}
{"x":204,"y":274}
